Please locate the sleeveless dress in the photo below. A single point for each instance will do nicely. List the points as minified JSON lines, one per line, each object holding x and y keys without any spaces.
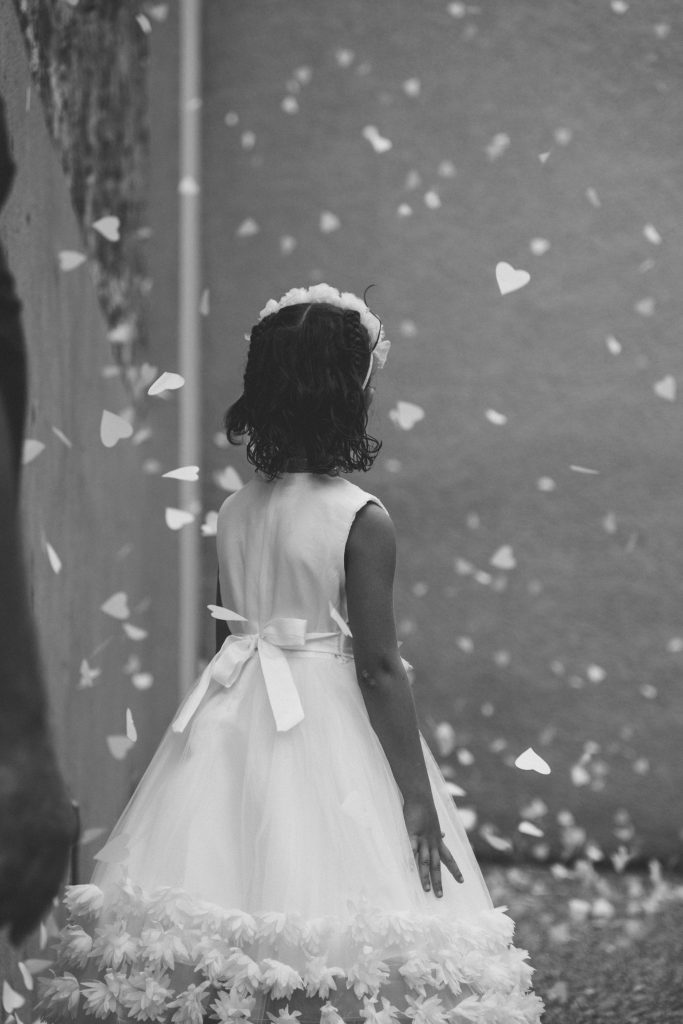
{"x":262,"y":870}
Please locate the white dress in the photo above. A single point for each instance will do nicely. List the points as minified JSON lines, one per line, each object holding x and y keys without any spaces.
{"x":262,"y":869}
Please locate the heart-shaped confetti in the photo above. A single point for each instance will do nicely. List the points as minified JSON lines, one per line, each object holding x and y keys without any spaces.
{"x":406,"y":415}
{"x":527,"y":828}
{"x":652,"y":235}
{"x":219,"y":612}
{"x":666,"y":388}
{"x":529,"y":761}
{"x":613,"y":345}
{"x":87,"y":675}
{"x":209,"y":527}
{"x":142,"y":680}
{"x":329,"y":221}
{"x":53,"y":558}
{"x":412,"y":87}
{"x":183,"y":473}
{"x":116,"y":605}
{"x":432,"y":199}
{"x":62,"y":437}
{"x":176,"y":518}
{"x":108,"y":227}
{"x":539,"y":246}
{"x":69,"y":259}
{"x":11,"y":1000}
{"x":287,"y":244}
{"x":509,"y":279}
{"x":504,"y":558}
{"x":166,"y":382}
{"x":404,"y":210}
{"x":113,"y":428}
{"x":32,"y":448}
{"x":26,"y":975}
{"x":115,"y":851}
{"x":247,"y":228}
{"x":119,"y":746}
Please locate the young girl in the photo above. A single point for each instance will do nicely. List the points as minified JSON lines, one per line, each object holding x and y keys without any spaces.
{"x":283,"y":857}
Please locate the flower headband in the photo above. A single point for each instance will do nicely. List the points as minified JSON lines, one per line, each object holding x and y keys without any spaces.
{"x":343,"y":300}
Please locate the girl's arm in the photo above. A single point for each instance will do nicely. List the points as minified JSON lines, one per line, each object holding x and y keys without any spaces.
{"x":370,"y":562}
{"x":222,"y":631}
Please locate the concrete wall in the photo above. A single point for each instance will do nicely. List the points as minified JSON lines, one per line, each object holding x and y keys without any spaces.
{"x":101,"y":509}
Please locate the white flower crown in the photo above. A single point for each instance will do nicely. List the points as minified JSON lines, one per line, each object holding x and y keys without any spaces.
{"x":344,"y":300}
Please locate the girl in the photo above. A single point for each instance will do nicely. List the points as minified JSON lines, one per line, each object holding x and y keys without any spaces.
{"x":283,"y":856}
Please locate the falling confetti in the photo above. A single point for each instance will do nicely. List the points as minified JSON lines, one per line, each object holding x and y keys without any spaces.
{"x":497,"y":146}
{"x":188,"y":186}
{"x":344,"y":57}
{"x":329,"y":221}
{"x":432,"y":199}
{"x":176,"y":518}
{"x":404,"y":210}
{"x":503,"y":558}
{"x":290,"y":105}
{"x":69,"y":259}
{"x":529,"y":760}
{"x":509,"y":279}
{"x":412,"y":86}
{"x":539,"y":246}
{"x":219,"y":612}
{"x":232,"y":119}
{"x":11,"y":1000}
{"x":142,"y":680}
{"x":228,"y":479}
{"x":496,"y":417}
{"x":406,"y":414}
{"x":377,"y":141}
{"x":287,"y":244}
{"x":109,"y":228}
{"x":31,"y":450}
{"x":116,"y":606}
{"x":204,"y":303}
{"x":248,"y":228}
{"x":666,"y":388}
{"x":113,"y":428}
{"x":166,"y":382}
{"x":87,"y":675}
{"x":613,"y":345}
{"x":652,"y":235}
{"x":119,"y":746}
{"x":131,"y":731}
{"x":183,"y":473}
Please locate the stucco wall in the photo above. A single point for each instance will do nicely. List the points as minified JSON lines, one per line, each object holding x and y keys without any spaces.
{"x":101,"y":509}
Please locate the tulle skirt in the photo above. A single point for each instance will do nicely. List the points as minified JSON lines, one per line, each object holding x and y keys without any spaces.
{"x":261,"y":875}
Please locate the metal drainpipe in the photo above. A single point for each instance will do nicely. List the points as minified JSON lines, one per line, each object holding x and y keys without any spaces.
{"x":189,"y":319}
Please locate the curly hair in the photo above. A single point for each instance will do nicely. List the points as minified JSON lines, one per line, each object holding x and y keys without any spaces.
{"x":303,"y":388}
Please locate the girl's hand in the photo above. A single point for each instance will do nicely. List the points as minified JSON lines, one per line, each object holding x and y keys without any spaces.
{"x":426,"y":839}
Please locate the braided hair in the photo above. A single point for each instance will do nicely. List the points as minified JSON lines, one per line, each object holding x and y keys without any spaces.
{"x":303,"y":388}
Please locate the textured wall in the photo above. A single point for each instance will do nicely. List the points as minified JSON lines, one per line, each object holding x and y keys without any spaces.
{"x":539,"y":604}
{"x":101,"y":509}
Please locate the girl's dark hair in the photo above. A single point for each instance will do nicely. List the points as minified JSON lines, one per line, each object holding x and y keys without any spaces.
{"x":303,"y":387}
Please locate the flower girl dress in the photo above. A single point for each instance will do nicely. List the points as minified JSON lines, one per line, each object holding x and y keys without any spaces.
{"x":262,"y":870}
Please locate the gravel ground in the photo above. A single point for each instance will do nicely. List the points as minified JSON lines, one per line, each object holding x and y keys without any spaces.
{"x":607,"y":948}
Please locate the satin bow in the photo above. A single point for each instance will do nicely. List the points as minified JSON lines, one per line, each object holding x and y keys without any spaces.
{"x":226,"y":665}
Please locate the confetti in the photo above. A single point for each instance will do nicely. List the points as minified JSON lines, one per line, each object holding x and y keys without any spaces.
{"x":119,"y":746}
{"x":406,"y":414}
{"x":404,"y":210}
{"x":645,"y":307}
{"x":219,"y":612}
{"x":529,"y":829}
{"x":228,"y":479}
{"x":87,"y":675}
{"x":329,"y":221}
{"x":188,"y":186}
{"x":446,"y":169}
{"x":593,"y":197}
{"x":247,"y":228}
{"x":31,"y":450}
{"x":344,"y":57}
{"x":62,"y":437}
{"x":510,"y":280}
{"x":619,"y":6}
{"x":176,"y":518}
{"x":26,"y":975}
{"x":11,"y":1000}
{"x":69,"y":259}
{"x":504,"y":558}
{"x":287,"y":244}
{"x":412,"y":86}
{"x":204,"y":303}
{"x":652,"y":235}
{"x":142,"y":680}
{"x":496,"y":417}
{"x":432,"y":199}
{"x":166,"y":382}
{"x":539,"y":246}
{"x":666,"y":388}
{"x":231,"y":119}
{"x":377,"y":141}
{"x":562,"y":136}
{"x":497,"y":146}
{"x":116,"y":606}
{"x":183,"y":473}
{"x":583,"y":469}
{"x":546,"y":483}
{"x":290,"y":105}
{"x":134,"y":632}
{"x":113,"y":428}
{"x":131,"y":731}
{"x":109,"y":228}
{"x":613,"y":345}
{"x":529,"y":760}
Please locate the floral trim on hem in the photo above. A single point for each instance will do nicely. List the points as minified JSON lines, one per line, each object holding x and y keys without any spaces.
{"x":168,"y":957}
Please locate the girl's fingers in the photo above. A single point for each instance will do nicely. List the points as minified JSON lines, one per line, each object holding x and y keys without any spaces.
{"x":423,"y":862}
{"x":435,"y":868}
{"x":450,"y":862}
